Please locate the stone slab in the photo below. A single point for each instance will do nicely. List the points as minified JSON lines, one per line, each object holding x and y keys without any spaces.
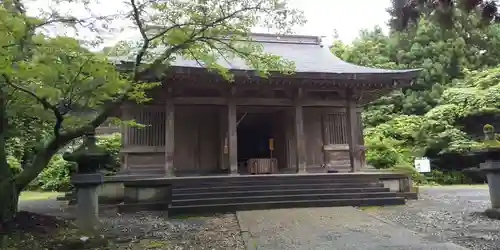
{"x":87,"y":207}
{"x":148,"y":194}
{"x":494,"y":188}
{"x":328,"y":228}
{"x":87,"y":179}
{"x":493,"y":213}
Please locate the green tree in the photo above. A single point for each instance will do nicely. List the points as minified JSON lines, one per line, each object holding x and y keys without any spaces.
{"x":446,"y":56}
{"x":406,"y":13}
{"x":70,"y":90}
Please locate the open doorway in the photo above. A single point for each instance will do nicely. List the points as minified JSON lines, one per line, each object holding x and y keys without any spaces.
{"x":255,"y":129}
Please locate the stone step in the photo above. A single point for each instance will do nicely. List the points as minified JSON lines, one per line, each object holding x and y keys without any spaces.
{"x":295,"y":191}
{"x":212,"y":208}
{"x":228,"y":189}
{"x":277,"y":198}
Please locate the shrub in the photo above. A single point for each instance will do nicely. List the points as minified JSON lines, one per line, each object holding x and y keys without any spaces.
{"x":55,"y":177}
{"x":450,"y":177}
{"x":14,"y":164}
{"x":385,"y":153}
{"x":112,"y":144}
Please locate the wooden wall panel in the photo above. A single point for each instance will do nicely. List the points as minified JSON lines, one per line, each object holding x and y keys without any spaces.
{"x":135,"y":160}
{"x":280,"y":139}
{"x":336,"y":128}
{"x":186,"y":139}
{"x":196,"y":138}
{"x":152,"y":131}
{"x":313,"y":134}
{"x":208,"y":140}
{"x":326,"y":136}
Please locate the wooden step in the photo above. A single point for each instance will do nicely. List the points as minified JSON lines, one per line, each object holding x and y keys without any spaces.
{"x":295,"y":191}
{"x":212,"y":189}
{"x":278,"y":198}
{"x":267,"y":178}
{"x":274,"y":181}
{"x":231,"y":193}
{"x":213,"y":208}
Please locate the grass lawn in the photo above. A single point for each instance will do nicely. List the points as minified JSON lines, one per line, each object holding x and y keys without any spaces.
{"x":38,"y":195}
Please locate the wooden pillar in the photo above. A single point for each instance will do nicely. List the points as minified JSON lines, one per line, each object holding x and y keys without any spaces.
{"x":223,"y":138}
{"x":232,"y":133}
{"x":169,"y":134}
{"x":125,"y":115}
{"x":352,"y":130}
{"x":299,"y":133}
{"x":325,"y":139}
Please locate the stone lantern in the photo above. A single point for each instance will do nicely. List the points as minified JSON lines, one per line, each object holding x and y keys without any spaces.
{"x":89,"y":159}
{"x":489,"y":156}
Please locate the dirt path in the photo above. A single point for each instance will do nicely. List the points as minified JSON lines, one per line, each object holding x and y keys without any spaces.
{"x":49,"y":206}
{"x":328,"y":228}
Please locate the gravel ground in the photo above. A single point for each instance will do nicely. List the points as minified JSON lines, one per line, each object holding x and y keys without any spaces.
{"x":151,"y":230}
{"x":449,"y":214}
{"x":331,"y":228}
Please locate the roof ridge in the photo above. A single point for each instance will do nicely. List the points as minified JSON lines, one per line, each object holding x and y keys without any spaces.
{"x":285,"y":38}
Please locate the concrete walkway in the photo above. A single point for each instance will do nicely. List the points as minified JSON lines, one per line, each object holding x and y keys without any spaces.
{"x":328,"y":228}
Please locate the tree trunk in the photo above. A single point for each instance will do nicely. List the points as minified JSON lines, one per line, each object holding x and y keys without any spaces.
{"x":9,"y":195}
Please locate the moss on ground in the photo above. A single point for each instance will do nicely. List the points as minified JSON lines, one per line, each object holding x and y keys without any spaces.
{"x":36,"y":232}
{"x":148,"y":244}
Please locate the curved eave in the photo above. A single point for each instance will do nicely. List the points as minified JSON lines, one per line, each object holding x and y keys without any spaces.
{"x":312,"y":61}
{"x":375,"y":76}
{"x":388,"y":76}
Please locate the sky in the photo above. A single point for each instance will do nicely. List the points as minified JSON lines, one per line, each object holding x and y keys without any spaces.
{"x":324,"y":17}
{"x":347,"y":17}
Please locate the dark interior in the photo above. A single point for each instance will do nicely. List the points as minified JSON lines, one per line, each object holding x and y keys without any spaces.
{"x":254,"y":132}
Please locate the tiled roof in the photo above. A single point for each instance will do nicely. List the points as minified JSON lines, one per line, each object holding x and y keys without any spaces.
{"x":309,"y":55}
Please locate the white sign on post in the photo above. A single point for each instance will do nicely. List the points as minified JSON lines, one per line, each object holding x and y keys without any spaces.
{"x":423,"y":165}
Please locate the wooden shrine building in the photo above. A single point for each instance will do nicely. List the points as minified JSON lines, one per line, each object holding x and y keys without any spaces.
{"x":199,"y":124}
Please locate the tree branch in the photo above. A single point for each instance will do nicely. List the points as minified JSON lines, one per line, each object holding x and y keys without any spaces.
{"x":72,"y":82}
{"x":42,"y":157}
{"x":43,"y":101}
{"x":137,"y":18}
{"x":58,"y":20}
{"x":195,"y":36}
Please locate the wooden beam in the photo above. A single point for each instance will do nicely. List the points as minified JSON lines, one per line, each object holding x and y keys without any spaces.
{"x":169,"y":134}
{"x":200,"y":101}
{"x":142,"y":149}
{"x":250,"y":101}
{"x":299,"y":133}
{"x":232,"y":133}
{"x":322,"y":103}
